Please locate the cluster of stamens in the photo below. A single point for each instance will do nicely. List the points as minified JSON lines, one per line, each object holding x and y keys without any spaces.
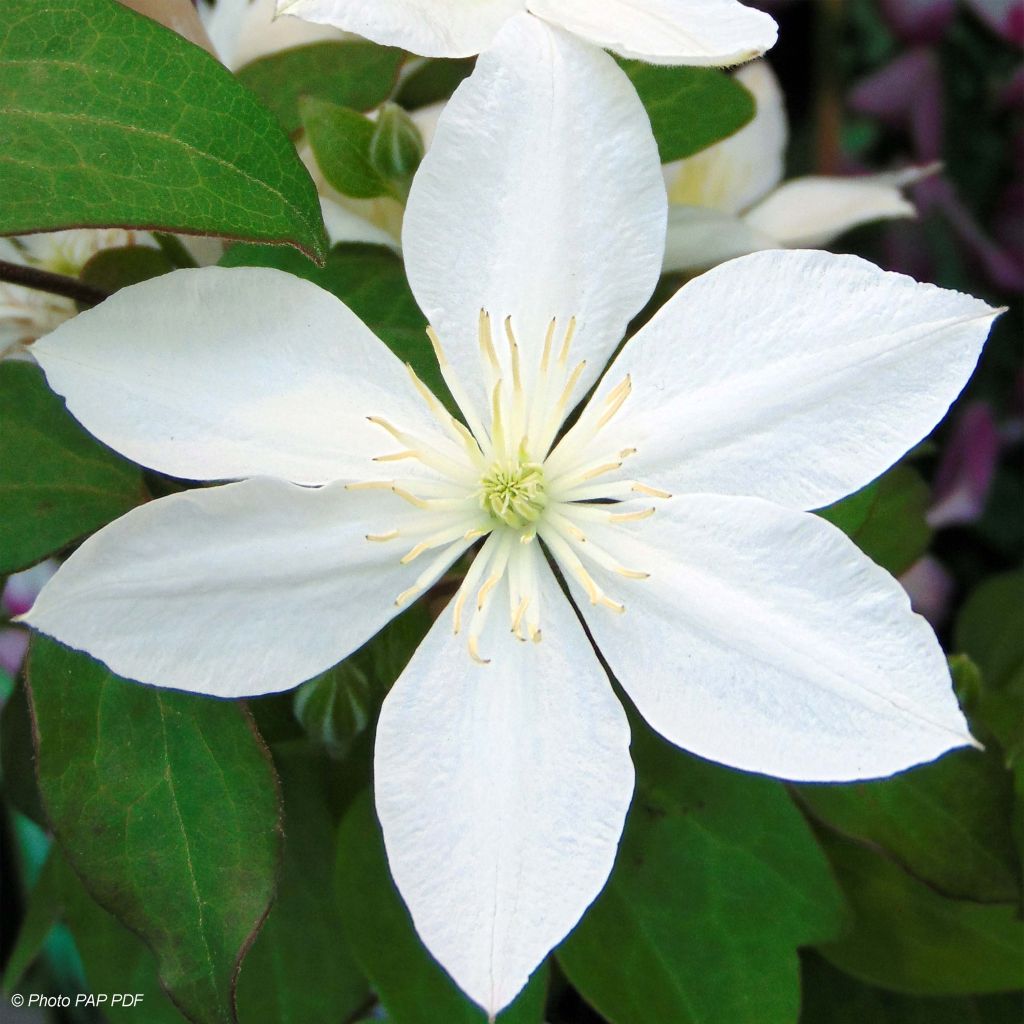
{"x":507,"y":480}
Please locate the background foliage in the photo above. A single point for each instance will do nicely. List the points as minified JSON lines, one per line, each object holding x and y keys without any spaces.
{"x":224,"y":860}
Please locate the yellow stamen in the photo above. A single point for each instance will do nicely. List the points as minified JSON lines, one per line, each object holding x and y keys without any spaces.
{"x":474,"y":652}
{"x":486,"y":341}
{"x":380,"y":538}
{"x":631,"y":517}
{"x":651,"y":492}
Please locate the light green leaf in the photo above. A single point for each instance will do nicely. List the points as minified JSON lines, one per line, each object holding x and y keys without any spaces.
{"x":411,"y":985}
{"x":341,"y":140}
{"x":353,"y":74}
{"x":166,"y":805}
{"x":690,"y":108}
{"x":299,"y":966}
{"x":109,"y":119}
{"x":57,"y":483}
{"x":717,"y":883}
{"x":907,"y":937}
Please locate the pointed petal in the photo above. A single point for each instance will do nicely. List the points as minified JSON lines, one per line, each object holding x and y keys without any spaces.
{"x":810,"y":212}
{"x":540,"y":197}
{"x":232,"y":591}
{"x":699,"y":238}
{"x":716,"y":32}
{"x":764,"y":639}
{"x":431,"y":28}
{"x":794,"y":376}
{"x":739,"y":170}
{"x":502,"y":791}
{"x":214,"y":374}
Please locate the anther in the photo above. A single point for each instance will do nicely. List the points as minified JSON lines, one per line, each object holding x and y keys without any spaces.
{"x":651,"y":492}
{"x":485,"y":590}
{"x":474,"y":652}
{"x":486,"y":341}
{"x":380,"y":538}
{"x":631,"y":517}
{"x":570,"y":332}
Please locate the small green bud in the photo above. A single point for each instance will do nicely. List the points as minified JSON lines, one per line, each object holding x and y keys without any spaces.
{"x":396,"y":148}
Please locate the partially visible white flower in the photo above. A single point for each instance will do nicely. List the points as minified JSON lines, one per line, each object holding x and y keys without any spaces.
{"x":243,"y":30}
{"x":674,"y":507}
{"x":701,"y":32}
{"x":28,"y":313}
{"x":729,"y":200}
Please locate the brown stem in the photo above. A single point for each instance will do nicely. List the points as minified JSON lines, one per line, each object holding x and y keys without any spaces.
{"x":56,"y":284}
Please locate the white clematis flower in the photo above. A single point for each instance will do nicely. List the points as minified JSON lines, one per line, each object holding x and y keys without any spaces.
{"x":702,"y":32}
{"x":730,"y":200}
{"x":27,"y":313}
{"x":744,"y":628}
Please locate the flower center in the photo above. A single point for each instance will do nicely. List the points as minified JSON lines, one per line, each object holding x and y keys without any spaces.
{"x":514,"y":494}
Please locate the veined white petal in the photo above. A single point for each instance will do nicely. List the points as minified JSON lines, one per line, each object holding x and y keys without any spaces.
{"x":794,"y":376}
{"x":214,"y":374}
{"x":540,"y":198}
{"x":764,"y":639}
{"x":698,"y":238}
{"x":232,"y":591}
{"x":502,"y":791}
{"x":810,"y":212}
{"x":739,"y":170}
{"x":431,"y":28}
{"x":717,"y":32}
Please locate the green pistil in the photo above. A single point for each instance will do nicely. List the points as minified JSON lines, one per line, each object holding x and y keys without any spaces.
{"x":514,"y":495}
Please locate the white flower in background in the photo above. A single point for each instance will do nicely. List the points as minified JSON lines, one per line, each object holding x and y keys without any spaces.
{"x":716,"y":32}
{"x":674,"y":507}
{"x":243,"y":30}
{"x":730,"y":200}
{"x":27,"y":313}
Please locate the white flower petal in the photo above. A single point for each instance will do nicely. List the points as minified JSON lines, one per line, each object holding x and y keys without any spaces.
{"x":344,"y":225}
{"x":233,"y":591}
{"x":502,"y":791}
{"x":431,"y":28}
{"x":794,"y":376}
{"x":764,"y":639}
{"x":698,"y":238}
{"x":739,"y":170}
{"x":214,"y":374}
{"x":810,"y":212}
{"x":540,"y":197}
{"x":718,"y":32}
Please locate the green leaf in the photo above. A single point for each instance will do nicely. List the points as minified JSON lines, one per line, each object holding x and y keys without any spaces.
{"x":109,"y":119}
{"x":113,"y":269}
{"x":298,"y":967}
{"x":17,"y":757}
{"x":433,"y":82}
{"x":166,"y":806}
{"x":371,"y":281}
{"x":947,"y":823}
{"x":411,"y":985}
{"x":57,"y":483}
{"x":717,"y":882}
{"x":886,"y":519}
{"x":690,"y":108}
{"x":41,"y":914}
{"x":907,"y":937}
{"x":341,"y":140}
{"x":359,"y":75}
{"x":831,"y":997}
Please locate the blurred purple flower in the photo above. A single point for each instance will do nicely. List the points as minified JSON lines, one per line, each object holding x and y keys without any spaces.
{"x":965,"y":472}
{"x":16,"y":599}
{"x":930,"y":588}
{"x":919,"y":21}
{"x":1005,"y":17}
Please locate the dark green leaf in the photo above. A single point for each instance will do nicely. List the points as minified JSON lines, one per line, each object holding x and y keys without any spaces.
{"x":18,"y":758}
{"x":166,"y":805}
{"x":690,"y":108}
{"x":411,"y":985}
{"x":371,"y":281}
{"x":947,"y":823}
{"x":109,"y":119}
{"x":56,"y":482}
{"x":299,"y":966}
{"x":717,"y":883}
{"x":359,"y":75}
{"x":112,"y":269}
{"x":433,"y":81}
{"x":831,"y":997}
{"x":907,"y":937}
{"x":887,"y":519}
{"x":341,"y":140}
{"x":44,"y":908}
